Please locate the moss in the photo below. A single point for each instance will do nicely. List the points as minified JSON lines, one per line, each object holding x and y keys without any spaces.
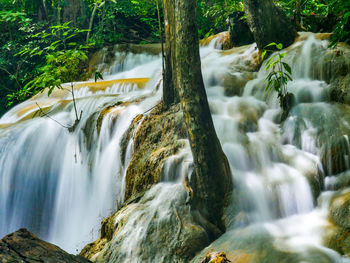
{"x":337,"y":235}
{"x":156,"y":139}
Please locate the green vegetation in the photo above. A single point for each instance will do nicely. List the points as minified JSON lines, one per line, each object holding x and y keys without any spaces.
{"x":280,"y":72}
{"x":39,"y":35}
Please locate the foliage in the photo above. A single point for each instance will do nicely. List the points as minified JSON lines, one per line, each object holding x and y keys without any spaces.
{"x":280,"y":72}
{"x":127,"y":21}
{"x":212,"y":15}
{"x":63,"y":59}
{"x":342,"y":29}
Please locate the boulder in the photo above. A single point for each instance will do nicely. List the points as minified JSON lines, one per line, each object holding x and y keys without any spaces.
{"x":254,"y":244}
{"x":23,"y":246}
{"x":240,"y":33}
{"x":158,"y":137}
{"x":222,"y":41}
{"x":157,"y":227}
{"x":337,"y":236}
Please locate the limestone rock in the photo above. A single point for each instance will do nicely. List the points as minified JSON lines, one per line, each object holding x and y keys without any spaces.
{"x":159,"y":227}
{"x":157,"y":138}
{"x":255,"y":244}
{"x":338,"y":234}
{"x":23,"y":246}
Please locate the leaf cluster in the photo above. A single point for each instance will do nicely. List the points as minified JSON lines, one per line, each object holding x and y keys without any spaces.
{"x":279,"y":72}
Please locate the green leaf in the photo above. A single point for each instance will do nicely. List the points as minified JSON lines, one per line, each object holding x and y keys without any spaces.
{"x":98,"y":75}
{"x":279,"y":46}
{"x":263,"y":54}
{"x":287,"y":68}
{"x":271,"y":44}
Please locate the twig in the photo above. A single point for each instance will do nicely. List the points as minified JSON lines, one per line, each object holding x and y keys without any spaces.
{"x":75,"y":106}
{"x":42,"y":113}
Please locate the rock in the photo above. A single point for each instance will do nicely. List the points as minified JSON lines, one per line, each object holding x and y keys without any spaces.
{"x":158,"y":137}
{"x":340,"y":210}
{"x":338,"y":233}
{"x":255,"y":244}
{"x":159,"y":227}
{"x":23,"y":246}
{"x":215,"y":257}
{"x":332,"y":139}
{"x":268,"y":23}
{"x":235,"y":83}
{"x":222,"y":41}
{"x":240,"y":33}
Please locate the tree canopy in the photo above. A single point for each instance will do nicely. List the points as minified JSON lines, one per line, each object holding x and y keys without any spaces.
{"x":28,"y":24}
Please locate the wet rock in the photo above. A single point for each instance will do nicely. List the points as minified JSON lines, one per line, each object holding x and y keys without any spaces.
{"x":118,"y":54}
{"x":340,"y":210}
{"x":222,"y":41}
{"x":329,"y":125}
{"x":158,"y":137}
{"x":234,"y":83}
{"x":240,"y":33}
{"x":23,"y":246}
{"x":215,"y":257}
{"x":338,"y":233}
{"x":159,"y":227}
{"x":255,"y":244}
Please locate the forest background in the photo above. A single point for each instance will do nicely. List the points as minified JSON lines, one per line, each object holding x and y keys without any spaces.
{"x":47,"y":42}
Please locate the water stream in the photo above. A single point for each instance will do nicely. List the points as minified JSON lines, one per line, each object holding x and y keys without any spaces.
{"x":60,"y":185}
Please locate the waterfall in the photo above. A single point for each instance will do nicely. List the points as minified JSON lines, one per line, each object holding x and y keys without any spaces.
{"x":61,"y":184}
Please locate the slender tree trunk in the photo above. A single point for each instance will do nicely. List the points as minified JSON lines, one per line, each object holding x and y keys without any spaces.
{"x":59,"y":9}
{"x":42,"y":12}
{"x":268,"y":23}
{"x":72,"y":10}
{"x":170,"y":95}
{"x":91,"y":21}
{"x":212,"y":180}
{"x":297,"y":12}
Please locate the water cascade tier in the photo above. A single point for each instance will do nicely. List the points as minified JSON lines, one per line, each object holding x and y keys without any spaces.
{"x":289,"y":173}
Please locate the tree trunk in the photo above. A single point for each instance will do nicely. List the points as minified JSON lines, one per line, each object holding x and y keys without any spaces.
{"x":212,"y":181}
{"x":91,"y":21}
{"x":297,"y":13}
{"x":42,"y":12}
{"x":268,"y":23}
{"x":72,"y":10}
{"x":170,"y":95}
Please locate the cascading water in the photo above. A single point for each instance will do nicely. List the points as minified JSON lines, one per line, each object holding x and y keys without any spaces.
{"x":61,"y":184}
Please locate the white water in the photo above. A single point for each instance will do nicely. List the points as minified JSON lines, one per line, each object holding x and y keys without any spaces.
{"x":60,"y":186}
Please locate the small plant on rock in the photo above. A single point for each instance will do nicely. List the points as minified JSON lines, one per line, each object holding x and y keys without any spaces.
{"x":279,"y":75}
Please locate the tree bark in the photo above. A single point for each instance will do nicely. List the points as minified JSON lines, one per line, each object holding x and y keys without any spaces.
{"x":268,"y":23}
{"x":212,"y":181}
{"x":170,"y":95}
{"x":42,"y":12}
{"x":91,"y":21}
{"x":297,"y":13}
{"x":72,"y":10}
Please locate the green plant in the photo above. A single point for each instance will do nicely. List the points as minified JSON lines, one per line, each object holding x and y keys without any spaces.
{"x":280,"y":72}
{"x":63,"y":56}
{"x":279,"y":75}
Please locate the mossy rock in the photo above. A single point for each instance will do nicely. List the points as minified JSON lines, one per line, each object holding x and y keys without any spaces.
{"x":337,"y":235}
{"x":340,"y":210}
{"x":166,"y":232}
{"x":157,"y":138}
{"x":254,"y":244}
